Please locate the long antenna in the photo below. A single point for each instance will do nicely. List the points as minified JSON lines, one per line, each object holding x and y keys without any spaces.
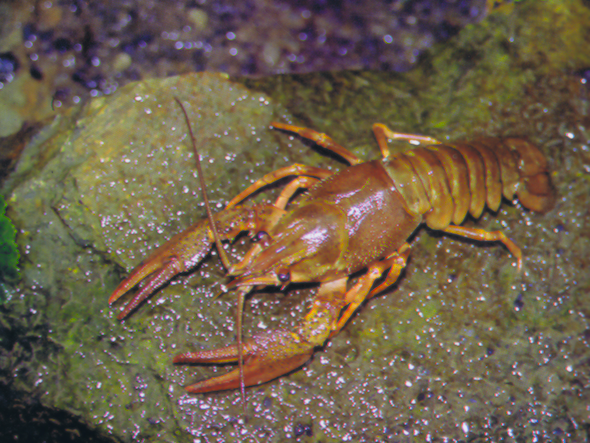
{"x":240,"y":314}
{"x":222,"y":253}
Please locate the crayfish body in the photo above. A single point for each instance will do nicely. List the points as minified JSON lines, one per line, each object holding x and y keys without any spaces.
{"x":358,"y":218}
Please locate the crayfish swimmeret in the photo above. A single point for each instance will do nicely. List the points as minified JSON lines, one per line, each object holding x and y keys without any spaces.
{"x":357,"y":219}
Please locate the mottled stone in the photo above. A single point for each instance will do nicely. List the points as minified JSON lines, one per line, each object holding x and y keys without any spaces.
{"x":463,"y":347}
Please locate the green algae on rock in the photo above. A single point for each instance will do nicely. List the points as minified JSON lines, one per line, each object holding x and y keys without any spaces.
{"x":9,"y":254}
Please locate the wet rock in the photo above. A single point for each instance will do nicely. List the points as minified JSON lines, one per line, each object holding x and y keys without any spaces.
{"x":444,"y":352}
{"x":103,"y":190}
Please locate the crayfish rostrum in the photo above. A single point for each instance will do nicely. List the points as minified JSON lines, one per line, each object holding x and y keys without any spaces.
{"x":357,"y":219}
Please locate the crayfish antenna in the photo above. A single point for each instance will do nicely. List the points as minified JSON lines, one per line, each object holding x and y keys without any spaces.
{"x":222,"y":255}
{"x":240,"y":313}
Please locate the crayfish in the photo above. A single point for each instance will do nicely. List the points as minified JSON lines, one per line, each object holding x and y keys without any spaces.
{"x":357,"y":219}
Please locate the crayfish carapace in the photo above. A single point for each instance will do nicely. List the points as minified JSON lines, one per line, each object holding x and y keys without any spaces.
{"x":357,"y":219}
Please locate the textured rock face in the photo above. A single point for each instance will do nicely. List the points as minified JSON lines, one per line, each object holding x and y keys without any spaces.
{"x":98,"y":196}
{"x":463,"y":347}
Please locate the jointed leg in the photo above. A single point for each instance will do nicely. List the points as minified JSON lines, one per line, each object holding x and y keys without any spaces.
{"x":295,"y":169}
{"x":360,"y":292}
{"x":398,"y":262}
{"x":481,"y":235}
{"x":321,"y":139}
{"x":383,"y":133}
{"x":291,"y":188}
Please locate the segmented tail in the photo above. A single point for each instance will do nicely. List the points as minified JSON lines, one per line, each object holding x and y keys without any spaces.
{"x":535,"y":190}
{"x":444,"y":182}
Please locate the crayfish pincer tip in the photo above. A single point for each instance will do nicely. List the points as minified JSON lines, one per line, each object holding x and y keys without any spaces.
{"x":180,"y":358}
{"x":129,"y":308}
{"x":115,"y":296}
{"x":122,"y":316}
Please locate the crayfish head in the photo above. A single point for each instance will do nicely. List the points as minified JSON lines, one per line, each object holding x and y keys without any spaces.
{"x":305,"y":246}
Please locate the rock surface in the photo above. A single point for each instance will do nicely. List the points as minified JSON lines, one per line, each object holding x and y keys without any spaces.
{"x":463,"y":347}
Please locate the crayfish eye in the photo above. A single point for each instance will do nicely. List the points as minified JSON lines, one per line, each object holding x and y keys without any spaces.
{"x":284,"y":276}
{"x":260,"y":236}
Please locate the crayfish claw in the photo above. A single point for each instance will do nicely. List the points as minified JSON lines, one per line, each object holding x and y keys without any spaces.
{"x":142,"y":271}
{"x":186,"y":249}
{"x":266,"y":357}
{"x":160,"y":275}
{"x":178,"y":255}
